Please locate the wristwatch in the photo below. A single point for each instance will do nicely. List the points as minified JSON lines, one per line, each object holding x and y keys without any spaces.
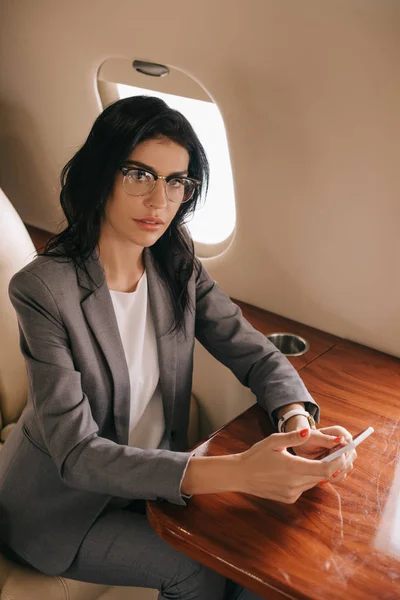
{"x":294,"y":413}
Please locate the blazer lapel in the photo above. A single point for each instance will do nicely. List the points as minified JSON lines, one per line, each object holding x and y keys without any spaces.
{"x":166,"y":342}
{"x":99,"y":312}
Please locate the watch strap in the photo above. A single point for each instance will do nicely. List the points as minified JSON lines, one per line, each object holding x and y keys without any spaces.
{"x":293,"y":413}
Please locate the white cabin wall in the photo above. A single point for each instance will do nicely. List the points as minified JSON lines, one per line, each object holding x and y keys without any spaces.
{"x":310,"y":94}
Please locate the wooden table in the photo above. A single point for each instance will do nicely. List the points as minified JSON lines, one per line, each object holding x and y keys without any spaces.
{"x":338,"y":541}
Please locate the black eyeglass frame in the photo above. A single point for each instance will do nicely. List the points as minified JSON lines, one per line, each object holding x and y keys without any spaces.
{"x":125,"y":170}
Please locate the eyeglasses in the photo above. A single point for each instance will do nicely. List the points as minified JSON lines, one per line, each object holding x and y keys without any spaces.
{"x":138,"y":182}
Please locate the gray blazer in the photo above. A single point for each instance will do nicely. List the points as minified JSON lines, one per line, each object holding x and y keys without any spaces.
{"x":67,"y":457}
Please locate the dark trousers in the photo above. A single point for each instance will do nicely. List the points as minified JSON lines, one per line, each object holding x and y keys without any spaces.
{"x":121,"y":548}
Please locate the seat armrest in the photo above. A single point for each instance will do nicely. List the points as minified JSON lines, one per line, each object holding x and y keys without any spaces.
{"x":24,"y":583}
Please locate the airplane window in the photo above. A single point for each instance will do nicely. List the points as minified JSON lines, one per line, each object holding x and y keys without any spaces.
{"x":214,"y":220}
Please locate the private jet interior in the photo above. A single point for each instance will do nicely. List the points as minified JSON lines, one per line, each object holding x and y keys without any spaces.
{"x":297,"y":106}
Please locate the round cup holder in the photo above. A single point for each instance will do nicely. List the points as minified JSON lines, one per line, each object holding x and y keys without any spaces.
{"x":289,"y":343}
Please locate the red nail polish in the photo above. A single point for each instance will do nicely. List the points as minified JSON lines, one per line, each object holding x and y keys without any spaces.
{"x":304,"y":432}
{"x":336,"y":474}
{"x":337,"y":440}
{"x":323,"y":482}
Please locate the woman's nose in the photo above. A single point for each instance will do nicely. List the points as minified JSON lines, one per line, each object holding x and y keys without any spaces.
{"x":158,"y":196}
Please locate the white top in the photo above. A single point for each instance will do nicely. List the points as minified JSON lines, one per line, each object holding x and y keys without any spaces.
{"x":136,"y":328}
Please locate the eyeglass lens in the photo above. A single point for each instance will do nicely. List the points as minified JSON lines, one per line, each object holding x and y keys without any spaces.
{"x":140,"y":183}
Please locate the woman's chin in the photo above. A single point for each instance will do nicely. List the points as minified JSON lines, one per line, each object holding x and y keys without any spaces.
{"x":146,"y":238}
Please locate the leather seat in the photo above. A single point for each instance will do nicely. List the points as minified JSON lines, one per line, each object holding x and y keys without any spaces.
{"x":19,"y":582}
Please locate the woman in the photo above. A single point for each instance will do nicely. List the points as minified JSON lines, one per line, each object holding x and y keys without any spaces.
{"x":108,"y":317}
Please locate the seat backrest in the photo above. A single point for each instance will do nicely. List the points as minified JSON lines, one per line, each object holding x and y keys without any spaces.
{"x":16,"y":250}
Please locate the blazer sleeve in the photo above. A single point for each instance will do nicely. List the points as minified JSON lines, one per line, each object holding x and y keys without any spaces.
{"x":83,"y":459}
{"x":254,"y":360}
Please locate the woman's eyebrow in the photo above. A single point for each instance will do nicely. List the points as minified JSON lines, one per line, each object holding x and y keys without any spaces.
{"x":137,"y":163}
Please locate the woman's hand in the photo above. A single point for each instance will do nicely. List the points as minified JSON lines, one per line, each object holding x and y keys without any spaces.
{"x":323,"y":442}
{"x":268,"y":470}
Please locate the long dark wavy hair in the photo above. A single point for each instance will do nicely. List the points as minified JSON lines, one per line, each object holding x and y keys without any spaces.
{"x":88,"y":179}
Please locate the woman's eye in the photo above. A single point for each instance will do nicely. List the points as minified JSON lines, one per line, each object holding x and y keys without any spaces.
{"x":175,"y":183}
{"x":139,"y":175}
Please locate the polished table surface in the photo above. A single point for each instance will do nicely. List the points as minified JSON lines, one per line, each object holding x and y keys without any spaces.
{"x":337,"y":541}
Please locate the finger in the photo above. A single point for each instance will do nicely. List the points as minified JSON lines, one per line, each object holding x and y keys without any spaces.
{"x":350,"y":456}
{"x":348,"y":469}
{"x":338,"y":431}
{"x":336,"y":466}
{"x":306,"y":482}
{"x":326,"y":440}
{"x":339,"y":475}
{"x":324,"y":482}
{"x":342,"y":475}
{"x":281,"y":441}
{"x":315,"y":468}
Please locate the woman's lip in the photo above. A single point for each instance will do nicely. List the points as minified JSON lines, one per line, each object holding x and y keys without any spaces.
{"x":148,"y":226}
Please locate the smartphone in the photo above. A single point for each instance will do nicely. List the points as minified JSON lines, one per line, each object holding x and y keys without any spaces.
{"x":360,"y":437}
